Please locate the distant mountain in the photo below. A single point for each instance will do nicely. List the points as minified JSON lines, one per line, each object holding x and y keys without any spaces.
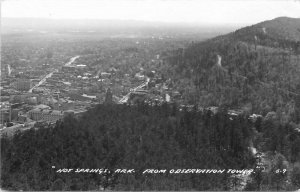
{"x":109,"y":27}
{"x":256,"y":67}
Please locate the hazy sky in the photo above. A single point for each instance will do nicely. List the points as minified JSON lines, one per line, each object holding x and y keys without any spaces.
{"x":191,"y":11}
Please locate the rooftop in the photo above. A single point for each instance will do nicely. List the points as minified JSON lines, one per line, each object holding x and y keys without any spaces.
{"x":46,"y":111}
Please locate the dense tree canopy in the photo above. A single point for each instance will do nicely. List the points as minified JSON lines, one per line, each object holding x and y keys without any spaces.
{"x":136,"y":137}
{"x":120,"y":136}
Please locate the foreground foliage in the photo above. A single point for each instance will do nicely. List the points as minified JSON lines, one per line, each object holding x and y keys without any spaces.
{"x":134,"y":137}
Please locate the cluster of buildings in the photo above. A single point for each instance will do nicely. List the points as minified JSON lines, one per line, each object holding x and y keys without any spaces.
{"x":30,"y":98}
{"x":31,"y":94}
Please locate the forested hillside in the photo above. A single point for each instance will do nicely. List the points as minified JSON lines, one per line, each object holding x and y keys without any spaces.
{"x":143,"y":137}
{"x":120,"y":136}
{"x":279,"y":29}
{"x":256,"y":68}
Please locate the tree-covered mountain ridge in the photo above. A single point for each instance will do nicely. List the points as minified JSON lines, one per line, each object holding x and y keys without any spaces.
{"x":256,"y":67}
{"x":280,"y":28}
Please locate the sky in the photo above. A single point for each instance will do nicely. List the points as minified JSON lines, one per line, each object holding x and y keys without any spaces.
{"x":174,"y":11}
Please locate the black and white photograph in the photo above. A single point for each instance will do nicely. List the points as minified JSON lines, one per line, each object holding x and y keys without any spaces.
{"x":150,"y":95}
